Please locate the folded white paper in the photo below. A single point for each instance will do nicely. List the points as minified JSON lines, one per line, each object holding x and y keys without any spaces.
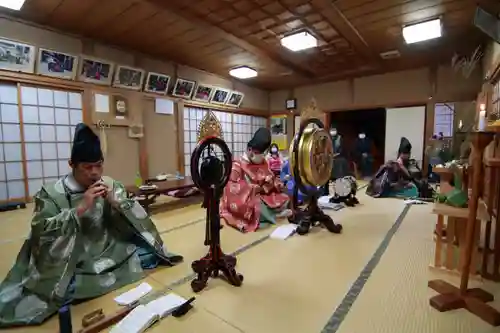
{"x":143,"y":316}
{"x":133,"y":295}
{"x":284,"y":231}
{"x":165,"y":305}
{"x":137,"y":321}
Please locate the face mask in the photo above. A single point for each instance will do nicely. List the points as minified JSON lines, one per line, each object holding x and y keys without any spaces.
{"x":257,"y":158}
{"x":274,"y":151}
{"x":362,"y":136}
{"x":333,"y":133}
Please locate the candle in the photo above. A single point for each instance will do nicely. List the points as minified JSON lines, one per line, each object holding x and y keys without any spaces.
{"x":481,"y":126}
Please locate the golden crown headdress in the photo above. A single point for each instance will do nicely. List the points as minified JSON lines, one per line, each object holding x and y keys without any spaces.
{"x":209,"y":126}
{"x":311,"y":111}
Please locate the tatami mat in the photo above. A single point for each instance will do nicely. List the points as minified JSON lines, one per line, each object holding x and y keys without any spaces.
{"x":396,"y":297}
{"x":294,"y":285}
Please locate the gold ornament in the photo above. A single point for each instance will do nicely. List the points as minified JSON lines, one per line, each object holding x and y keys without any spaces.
{"x":311,"y":111}
{"x":315,"y":150}
{"x":209,"y":127}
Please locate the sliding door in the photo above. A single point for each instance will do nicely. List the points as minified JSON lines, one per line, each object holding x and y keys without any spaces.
{"x":237,"y":130}
{"x":192,"y":120}
{"x":408,"y":122}
{"x":12,"y":186}
{"x":49,"y":119}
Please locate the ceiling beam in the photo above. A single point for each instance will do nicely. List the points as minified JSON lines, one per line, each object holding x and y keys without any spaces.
{"x":345,"y":28}
{"x":278,"y":57}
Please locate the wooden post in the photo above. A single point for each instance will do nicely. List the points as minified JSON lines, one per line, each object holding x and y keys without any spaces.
{"x":479,"y":141}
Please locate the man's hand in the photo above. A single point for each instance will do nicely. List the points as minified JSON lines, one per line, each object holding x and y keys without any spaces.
{"x":93,"y":192}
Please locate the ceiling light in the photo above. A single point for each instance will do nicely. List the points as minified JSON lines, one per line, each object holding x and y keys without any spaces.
{"x":422,"y":31}
{"x":12,"y":4}
{"x":243,"y":72}
{"x":299,"y":41}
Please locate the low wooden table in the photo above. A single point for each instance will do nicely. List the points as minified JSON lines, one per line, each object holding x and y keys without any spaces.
{"x":148,"y":197}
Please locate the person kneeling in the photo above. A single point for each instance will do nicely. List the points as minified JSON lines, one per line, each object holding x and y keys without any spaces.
{"x":253,"y":195}
{"x":87,"y":239}
{"x":393,"y":179}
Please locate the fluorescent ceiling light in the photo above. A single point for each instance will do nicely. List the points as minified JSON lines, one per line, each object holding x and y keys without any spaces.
{"x":422,"y":31}
{"x":12,"y":4}
{"x":243,"y":72}
{"x":299,"y":41}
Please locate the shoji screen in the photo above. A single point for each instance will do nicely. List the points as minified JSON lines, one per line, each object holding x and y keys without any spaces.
{"x":243,"y":131}
{"x":408,"y":122}
{"x":11,"y":161}
{"x":258,"y":122}
{"x":49,"y":118}
{"x":192,"y":119}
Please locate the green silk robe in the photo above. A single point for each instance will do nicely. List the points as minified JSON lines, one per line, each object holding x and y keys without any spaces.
{"x":97,"y":252}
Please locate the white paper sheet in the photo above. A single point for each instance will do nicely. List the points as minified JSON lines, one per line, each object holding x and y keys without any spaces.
{"x":164,"y":106}
{"x":283,"y":231}
{"x":101,"y":103}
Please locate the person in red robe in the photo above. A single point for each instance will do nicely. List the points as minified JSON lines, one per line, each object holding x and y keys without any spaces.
{"x":253,"y":196}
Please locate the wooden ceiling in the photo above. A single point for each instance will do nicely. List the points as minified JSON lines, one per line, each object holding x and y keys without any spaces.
{"x":216,"y":35}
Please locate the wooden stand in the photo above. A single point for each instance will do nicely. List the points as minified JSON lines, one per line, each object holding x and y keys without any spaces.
{"x":449,"y":253}
{"x":451,"y":297}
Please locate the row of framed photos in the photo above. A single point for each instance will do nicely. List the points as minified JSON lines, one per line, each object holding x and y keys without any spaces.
{"x":20,"y":57}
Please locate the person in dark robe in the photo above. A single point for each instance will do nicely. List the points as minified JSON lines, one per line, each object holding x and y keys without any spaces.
{"x":87,"y":239}
{"x":363,"y":157}
{"x":254,"y":196}
{"x":394,"y":179}
{"x":340,"y":164}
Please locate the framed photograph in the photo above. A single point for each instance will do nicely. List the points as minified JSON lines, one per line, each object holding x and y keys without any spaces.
{"x":203,"y":93}
{"x":128,"y":78}
{"x":183,"y":88}
{"x":17,"y":57}
{"x":220,"y":96}
{"x":235,"y":99}
{"x":96,"y":71}
{"x":291,"y":104}
{"x":157,"y":83}
{"x":56,"y":64}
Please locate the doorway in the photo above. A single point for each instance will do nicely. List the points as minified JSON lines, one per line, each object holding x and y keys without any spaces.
{"x":372,"y":122}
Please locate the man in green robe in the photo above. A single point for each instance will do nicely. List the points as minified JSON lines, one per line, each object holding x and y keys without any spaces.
{"x":87,"y":239}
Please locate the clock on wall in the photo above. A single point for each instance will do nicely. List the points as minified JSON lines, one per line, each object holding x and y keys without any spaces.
{"x":291,"y":104}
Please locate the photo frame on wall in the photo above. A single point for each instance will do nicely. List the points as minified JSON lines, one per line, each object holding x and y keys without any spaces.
{"x":128,"y":78}
{"x":56,"y":64}
{"x":95,"y":71}
{"x":183,"y":88}
{"x":16,"y":56}
{"x":157,"y":83}
{"x":220,"y":96}
{"x":203,"y":93}
{"x":235,"y":99}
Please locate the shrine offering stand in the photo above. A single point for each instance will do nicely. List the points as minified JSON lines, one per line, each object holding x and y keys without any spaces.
{"x":451,"y":297}
{"x":450,"y":248}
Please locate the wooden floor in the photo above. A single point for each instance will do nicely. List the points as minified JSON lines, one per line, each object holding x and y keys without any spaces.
{"x":371,"y":279}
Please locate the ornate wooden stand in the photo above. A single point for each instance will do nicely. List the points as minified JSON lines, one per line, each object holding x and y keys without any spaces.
{"x":215,"y":260}
{"x":311,"y":216}
{"x":475,"y":299}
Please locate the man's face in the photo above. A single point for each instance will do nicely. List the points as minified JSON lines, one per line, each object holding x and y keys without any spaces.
{"x":255,"y":157}
{"x":86,"y":173}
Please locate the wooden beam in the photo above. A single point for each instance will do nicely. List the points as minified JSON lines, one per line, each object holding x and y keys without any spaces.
{"x":259,"y":50}
{"x":338,"y":20}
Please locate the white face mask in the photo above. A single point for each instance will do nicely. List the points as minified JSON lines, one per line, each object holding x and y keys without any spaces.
{"x":274,"y":151}
{"x":333,"y":133}
{"x":257,"y":158}
{"x":362,"y":135}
